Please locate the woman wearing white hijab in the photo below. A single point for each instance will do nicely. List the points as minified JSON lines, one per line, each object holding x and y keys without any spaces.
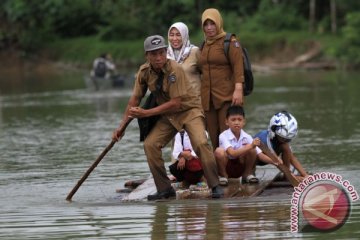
{"x":182,"y":51}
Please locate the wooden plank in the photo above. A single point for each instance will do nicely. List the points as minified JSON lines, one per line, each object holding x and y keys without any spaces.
{"x":132,"y":184}
{"x":234,"y":189}
{"x":290,"y":177}
{"x":266,"y":175}
{"x":193,"y":193}
{"x":277,"y":188}
{"x":142,"y":191}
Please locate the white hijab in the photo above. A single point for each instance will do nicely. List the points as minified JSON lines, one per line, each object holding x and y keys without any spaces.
{"x":180,"y":55}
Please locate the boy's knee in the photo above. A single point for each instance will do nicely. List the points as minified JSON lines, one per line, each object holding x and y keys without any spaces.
{"x":251,"y":155}
{"x":219,"y":153}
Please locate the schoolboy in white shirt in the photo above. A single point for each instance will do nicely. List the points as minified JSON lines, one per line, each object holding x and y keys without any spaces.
{"x":237,"y":152}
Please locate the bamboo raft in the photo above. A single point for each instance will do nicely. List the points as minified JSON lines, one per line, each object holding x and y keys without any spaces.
{"x":138,"y":190}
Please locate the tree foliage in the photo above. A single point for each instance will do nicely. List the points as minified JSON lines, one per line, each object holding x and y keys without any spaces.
{"x":350,"y":50}
{"x":276,"y":16}
{"x":26,"y":25}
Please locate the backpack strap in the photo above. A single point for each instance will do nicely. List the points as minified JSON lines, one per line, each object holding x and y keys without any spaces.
{"x":159,"y":83}
{"x":227,"y":41}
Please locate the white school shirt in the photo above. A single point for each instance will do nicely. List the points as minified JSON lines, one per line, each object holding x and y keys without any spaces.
{"x":178,"y":147}
{"x":227,"y":139}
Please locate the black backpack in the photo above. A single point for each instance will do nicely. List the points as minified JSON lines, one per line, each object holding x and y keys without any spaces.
{"x":100,"y":69}
{"x":248,"y":76}
{"x":146,"y":124}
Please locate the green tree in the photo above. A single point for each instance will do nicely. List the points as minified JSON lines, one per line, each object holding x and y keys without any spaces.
{"x":135,"y":19}
{"x":28,"y":24}
{"x":350,"y":50}
{"x":275,"y":16}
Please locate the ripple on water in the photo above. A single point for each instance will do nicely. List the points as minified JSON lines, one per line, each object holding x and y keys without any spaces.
{"x":48,"y":140}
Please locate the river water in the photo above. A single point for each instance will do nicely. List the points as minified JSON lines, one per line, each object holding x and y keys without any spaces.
{"x":52,"y":129}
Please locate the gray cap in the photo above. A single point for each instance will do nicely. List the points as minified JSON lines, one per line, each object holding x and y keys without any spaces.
{"x":154,"y":42}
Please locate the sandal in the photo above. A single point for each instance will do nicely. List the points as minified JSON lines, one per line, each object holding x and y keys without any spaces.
{"x":223,"y":181}
{"x":250,"y":179}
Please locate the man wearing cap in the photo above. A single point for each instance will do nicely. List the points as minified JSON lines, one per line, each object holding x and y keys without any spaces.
{"x":178,"y":108}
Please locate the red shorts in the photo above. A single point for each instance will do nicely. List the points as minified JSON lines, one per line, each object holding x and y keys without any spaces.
{"x":193,"y":177}
{"x":234,"y":168}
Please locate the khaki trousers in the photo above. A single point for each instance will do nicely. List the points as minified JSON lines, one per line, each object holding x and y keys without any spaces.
{"x":215,"y":122}
{"x":162,"y":133}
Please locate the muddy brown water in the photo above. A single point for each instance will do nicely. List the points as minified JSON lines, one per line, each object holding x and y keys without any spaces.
{"x":52,"y":129}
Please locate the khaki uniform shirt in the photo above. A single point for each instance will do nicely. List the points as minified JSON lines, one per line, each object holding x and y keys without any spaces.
{"x":174,"y":85}
{"x":218,"y":74}
{"x":192,"y":70}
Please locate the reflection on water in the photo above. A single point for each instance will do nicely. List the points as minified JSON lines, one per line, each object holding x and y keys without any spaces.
{"x":51,"y":134}
{"x":220,"y":220}
{"x":224,"y":219}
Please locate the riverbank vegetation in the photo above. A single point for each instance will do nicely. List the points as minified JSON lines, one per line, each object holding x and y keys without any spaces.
{"x":273,"y":31}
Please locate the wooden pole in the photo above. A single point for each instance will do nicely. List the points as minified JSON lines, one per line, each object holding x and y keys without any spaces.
{"x":290,"y":177}
{"x":93,"y":166}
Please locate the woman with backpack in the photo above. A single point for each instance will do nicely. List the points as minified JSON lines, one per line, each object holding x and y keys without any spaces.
{"x":222,"y":74}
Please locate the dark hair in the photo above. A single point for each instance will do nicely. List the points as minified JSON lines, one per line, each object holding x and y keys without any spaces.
{"x":235,"y":110}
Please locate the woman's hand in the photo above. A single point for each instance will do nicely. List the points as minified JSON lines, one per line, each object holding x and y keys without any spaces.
{"x":238,"y":96}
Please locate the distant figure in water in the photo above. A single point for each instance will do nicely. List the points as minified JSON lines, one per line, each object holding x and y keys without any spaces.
{"x":103,"y":66}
